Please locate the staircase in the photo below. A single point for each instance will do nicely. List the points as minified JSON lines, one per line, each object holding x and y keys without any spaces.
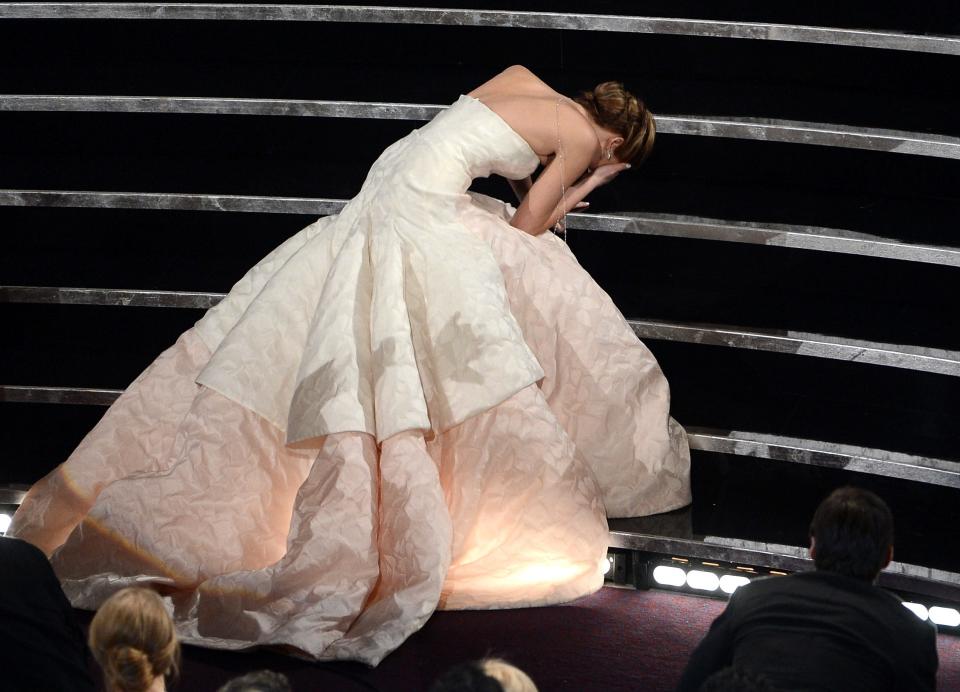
{"x":790,"y":253}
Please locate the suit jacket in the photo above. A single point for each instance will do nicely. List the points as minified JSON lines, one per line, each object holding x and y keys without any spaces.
{"x":819,"y":631}
{"x":41,"y":645}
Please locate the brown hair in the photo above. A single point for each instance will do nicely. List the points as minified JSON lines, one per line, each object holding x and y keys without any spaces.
{"x":613,"y":107}
{"x":133,"y":639}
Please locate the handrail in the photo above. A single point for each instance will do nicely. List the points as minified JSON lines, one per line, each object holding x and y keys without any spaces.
{"x":917,"y":358}
{"x":877,"y":462}
{"x":710,"y":28}
{"x":58,"y":395}
{"x":909,"y":357}
{"x":638,"y":223}
{"x":759,"y":129}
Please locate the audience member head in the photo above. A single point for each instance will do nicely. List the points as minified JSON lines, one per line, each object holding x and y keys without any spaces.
{"x":736,"y":679}
{"x":852,"y":534}
{"x":488,"y":675}
{"x":511,"y":678}
{"x":133,"y":639}
{"x":260,"y":681}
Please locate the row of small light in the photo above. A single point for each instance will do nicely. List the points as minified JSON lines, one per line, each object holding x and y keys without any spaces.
{"x":680,"y":573}
{"x":698,"y":579}
{"x":711,"y":582}
{"x":938,"y":615}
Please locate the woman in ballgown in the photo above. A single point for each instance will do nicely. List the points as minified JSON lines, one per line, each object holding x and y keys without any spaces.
{"x":421,"y":402}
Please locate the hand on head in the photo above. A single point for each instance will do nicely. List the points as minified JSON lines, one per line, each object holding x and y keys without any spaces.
{"x":601,"y":175}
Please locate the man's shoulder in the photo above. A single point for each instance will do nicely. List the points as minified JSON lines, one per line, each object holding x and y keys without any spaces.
{"x":906,"y":619}
{"x":761,"y":587}
{"x":20,"y":552}
{"x":815,"y":583}
{"x":32,"y":569}
{"x":820,"y":584}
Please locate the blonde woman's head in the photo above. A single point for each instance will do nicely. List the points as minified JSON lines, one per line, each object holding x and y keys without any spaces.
{"x":511,"y":678}
{"x":486,"y":675}
{"x":133,"y":639}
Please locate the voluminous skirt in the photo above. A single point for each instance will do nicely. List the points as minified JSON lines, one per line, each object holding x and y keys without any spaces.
{"x":345,"y":443}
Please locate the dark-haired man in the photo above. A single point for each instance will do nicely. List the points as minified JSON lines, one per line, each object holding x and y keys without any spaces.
{"x":829,"y":629}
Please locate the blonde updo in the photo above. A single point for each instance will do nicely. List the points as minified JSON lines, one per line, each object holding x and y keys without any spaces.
{"x":613,"y":107}
{"x":133,"y":639}
{"x":511,"y":678}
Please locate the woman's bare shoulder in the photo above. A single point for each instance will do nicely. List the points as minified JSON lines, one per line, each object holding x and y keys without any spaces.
{"x":520,"y":70}
{"x":515,"y":80}
{"x":531,"y":108}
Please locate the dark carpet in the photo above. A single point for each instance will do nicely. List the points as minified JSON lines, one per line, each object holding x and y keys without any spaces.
{"x":616,"y":639}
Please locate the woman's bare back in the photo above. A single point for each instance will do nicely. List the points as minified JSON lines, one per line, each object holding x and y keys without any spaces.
{"x":529,"y":106}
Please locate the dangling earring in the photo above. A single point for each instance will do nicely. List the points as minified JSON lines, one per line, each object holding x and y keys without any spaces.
{"x":609,"y":154}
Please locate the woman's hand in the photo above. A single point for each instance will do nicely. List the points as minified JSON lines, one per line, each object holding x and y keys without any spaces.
{"x":560,"y":228}
{"x":601,"y":175}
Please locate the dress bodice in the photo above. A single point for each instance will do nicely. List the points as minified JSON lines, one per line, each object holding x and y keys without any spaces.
{"x":483,"y":140}
{"x":466,"y":141}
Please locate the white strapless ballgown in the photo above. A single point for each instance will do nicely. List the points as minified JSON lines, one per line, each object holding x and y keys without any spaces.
{"x":405,"y":405}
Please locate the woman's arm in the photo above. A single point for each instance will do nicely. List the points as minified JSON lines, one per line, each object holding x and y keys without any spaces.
{"x":534,"y":207}
{"x":557,"y":189}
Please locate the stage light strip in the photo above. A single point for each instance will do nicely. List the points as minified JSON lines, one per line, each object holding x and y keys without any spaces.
{"x":645,"y":534}
{"x":876,"y":462}
{"x":945,"y":617}
{"x":916,"y":358}
{"x":698,"y":579}
{"x":942,"y":616}
{"x":675,"y":577}
{"x":637,"y":223}
{"x":761,"y":129}
{"x":707,"y":28}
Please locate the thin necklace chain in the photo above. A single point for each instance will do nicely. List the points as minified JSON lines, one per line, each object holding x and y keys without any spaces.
{"x":561,"y":222}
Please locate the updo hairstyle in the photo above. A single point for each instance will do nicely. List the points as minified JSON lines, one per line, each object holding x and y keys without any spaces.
{"x":486,"y":675}
{"x":511,"y":678}
{"x":133,"y":639}
{"x":613,"y":107}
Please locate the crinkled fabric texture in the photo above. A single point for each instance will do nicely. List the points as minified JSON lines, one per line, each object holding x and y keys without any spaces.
{"x":408,"y":405}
